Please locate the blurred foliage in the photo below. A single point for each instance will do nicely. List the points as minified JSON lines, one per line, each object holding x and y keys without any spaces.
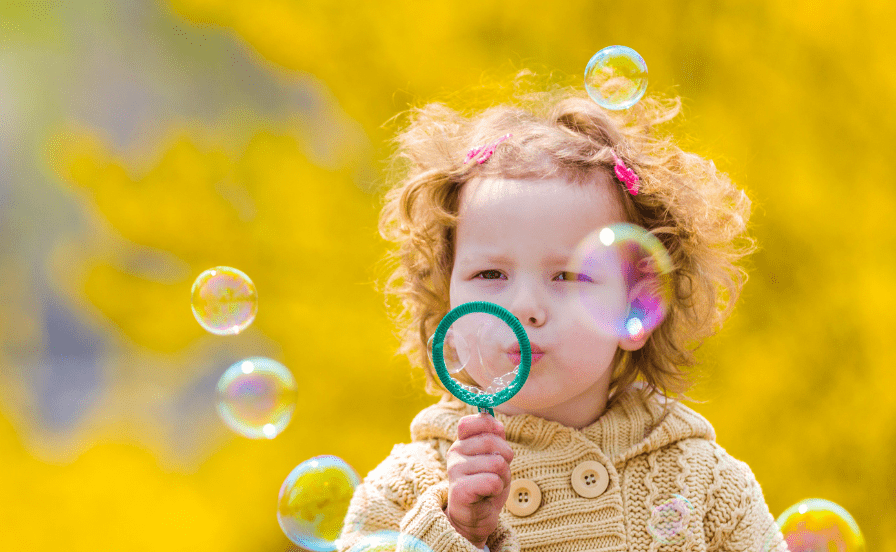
{"x":790,"y":100}
{"x":306,"y":235}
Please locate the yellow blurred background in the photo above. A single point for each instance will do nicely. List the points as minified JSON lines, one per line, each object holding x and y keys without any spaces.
{"x":141,"y":143}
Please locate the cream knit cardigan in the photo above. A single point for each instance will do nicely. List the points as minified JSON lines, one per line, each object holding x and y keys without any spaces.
{"x":649,"y":457}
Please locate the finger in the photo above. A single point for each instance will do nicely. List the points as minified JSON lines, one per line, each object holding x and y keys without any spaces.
{"x":475,"y":424}
{"x":483,"y":443}
{"x":474,"y":490}
{"x":461,"y":467}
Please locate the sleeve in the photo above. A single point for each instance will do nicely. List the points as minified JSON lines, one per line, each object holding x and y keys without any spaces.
{"x":738,"y":517}
{"x":407,"y":494}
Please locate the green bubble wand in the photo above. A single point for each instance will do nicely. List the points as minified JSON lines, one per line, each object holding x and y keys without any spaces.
{"x":484,"y":401}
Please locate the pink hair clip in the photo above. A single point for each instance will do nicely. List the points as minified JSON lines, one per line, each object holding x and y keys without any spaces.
{"x":486,"y":151}
{"x":626,"y":175}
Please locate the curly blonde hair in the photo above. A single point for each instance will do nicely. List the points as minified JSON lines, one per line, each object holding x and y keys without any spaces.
{"x":692,"y":208}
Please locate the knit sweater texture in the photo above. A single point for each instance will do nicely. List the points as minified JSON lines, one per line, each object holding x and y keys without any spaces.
{"x":671,"y":486}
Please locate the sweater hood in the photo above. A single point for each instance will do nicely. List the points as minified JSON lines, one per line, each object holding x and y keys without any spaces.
{"x":632,"y":425}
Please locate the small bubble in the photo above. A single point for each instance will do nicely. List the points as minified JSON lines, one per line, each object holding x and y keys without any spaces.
{"x":256,"y":397}
{"x":670,"y":520}
{"x":224,"y":300}
{"x":616,"y":77}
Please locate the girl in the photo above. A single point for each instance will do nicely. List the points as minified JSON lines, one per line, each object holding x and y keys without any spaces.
{"x":595,"y":452}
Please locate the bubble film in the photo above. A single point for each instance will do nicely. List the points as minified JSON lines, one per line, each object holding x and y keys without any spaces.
{"x":629,"y":256}
{"x":818,"y":525}
{"x":389,"y":541}
{"x":616,"y":77}
{"x":256,"y":397}
{"x":224,"y":300}
{"x":670,"y":520}
{"x":481,"y":353}
{"x":456,"y":352}
{"x":313,"y":502}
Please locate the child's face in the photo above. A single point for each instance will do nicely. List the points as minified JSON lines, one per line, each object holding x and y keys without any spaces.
{"x":513,"y":247}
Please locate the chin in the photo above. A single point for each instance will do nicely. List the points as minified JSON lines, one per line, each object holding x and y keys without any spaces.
{"x":530,"y":405}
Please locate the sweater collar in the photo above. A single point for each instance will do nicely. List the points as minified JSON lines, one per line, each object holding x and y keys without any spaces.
{"x":631,"y":426}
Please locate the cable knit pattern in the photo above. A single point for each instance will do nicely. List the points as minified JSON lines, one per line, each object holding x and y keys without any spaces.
{"x":659,"y":461}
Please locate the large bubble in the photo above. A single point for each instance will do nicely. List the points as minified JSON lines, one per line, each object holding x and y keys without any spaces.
{"x":313,"y":502}
{"x":256,"y":397}
{"x":818,"y":525}
{"x":616,"y":77}
{"x":624,"y":280}
{"x":224,"y":300}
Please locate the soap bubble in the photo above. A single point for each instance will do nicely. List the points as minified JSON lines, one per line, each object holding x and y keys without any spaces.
{"x":818,"y":525}
{"x":481,"y":353}
{"x":641,"y":261}
{"x":670,"y":520}
{"x":224,"y":300}
{"x":257,"y":397}
{"x":389,"y":541}
{"x":313,"y":502}
{"x":616,"y":77}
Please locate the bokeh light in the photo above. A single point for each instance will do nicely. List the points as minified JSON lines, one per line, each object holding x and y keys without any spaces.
{"x":616,"y":77}
{"x":313,"y":501}
{"x":256,"y":397}
{"x":224,"y":300}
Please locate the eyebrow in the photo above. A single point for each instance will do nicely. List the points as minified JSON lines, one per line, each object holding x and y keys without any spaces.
{"x":497,"y":258}
{"x":483,"y":258}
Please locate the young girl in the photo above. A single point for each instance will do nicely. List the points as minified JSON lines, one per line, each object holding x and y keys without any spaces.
{"x":594,"y":452}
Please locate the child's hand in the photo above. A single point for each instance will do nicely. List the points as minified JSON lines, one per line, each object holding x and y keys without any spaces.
{"x":478,"y":477}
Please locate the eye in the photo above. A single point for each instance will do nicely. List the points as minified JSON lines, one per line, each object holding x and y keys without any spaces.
{"x":573,"y":277}
{"x":489,"y":275}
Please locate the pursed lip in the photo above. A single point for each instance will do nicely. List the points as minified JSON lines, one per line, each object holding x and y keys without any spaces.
{"x":516,"y":356}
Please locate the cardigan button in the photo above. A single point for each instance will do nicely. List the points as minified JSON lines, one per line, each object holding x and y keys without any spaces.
{"x":524,"y":498}
{"x":590,"y":479}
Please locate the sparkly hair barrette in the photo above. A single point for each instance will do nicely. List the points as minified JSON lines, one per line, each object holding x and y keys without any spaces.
{"x":485,"y":151}
{"x":626,"y":175}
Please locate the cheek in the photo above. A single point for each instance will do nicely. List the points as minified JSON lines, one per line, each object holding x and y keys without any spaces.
{"x":595,"y":308}
{"x":585,"y":337}
{"x":593,"y":303}
{"x":455,"y":291}
{"x":587,"y":343}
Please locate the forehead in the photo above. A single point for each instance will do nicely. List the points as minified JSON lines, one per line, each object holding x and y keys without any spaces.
{"x":546,"y":195}
{"x":534,"y":211}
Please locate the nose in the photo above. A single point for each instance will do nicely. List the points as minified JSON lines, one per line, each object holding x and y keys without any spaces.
{"x":528,"y":304}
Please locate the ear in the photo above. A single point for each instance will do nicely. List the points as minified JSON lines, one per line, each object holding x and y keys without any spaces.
{"x":636,"y":340}
{"x":633,"y":343}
